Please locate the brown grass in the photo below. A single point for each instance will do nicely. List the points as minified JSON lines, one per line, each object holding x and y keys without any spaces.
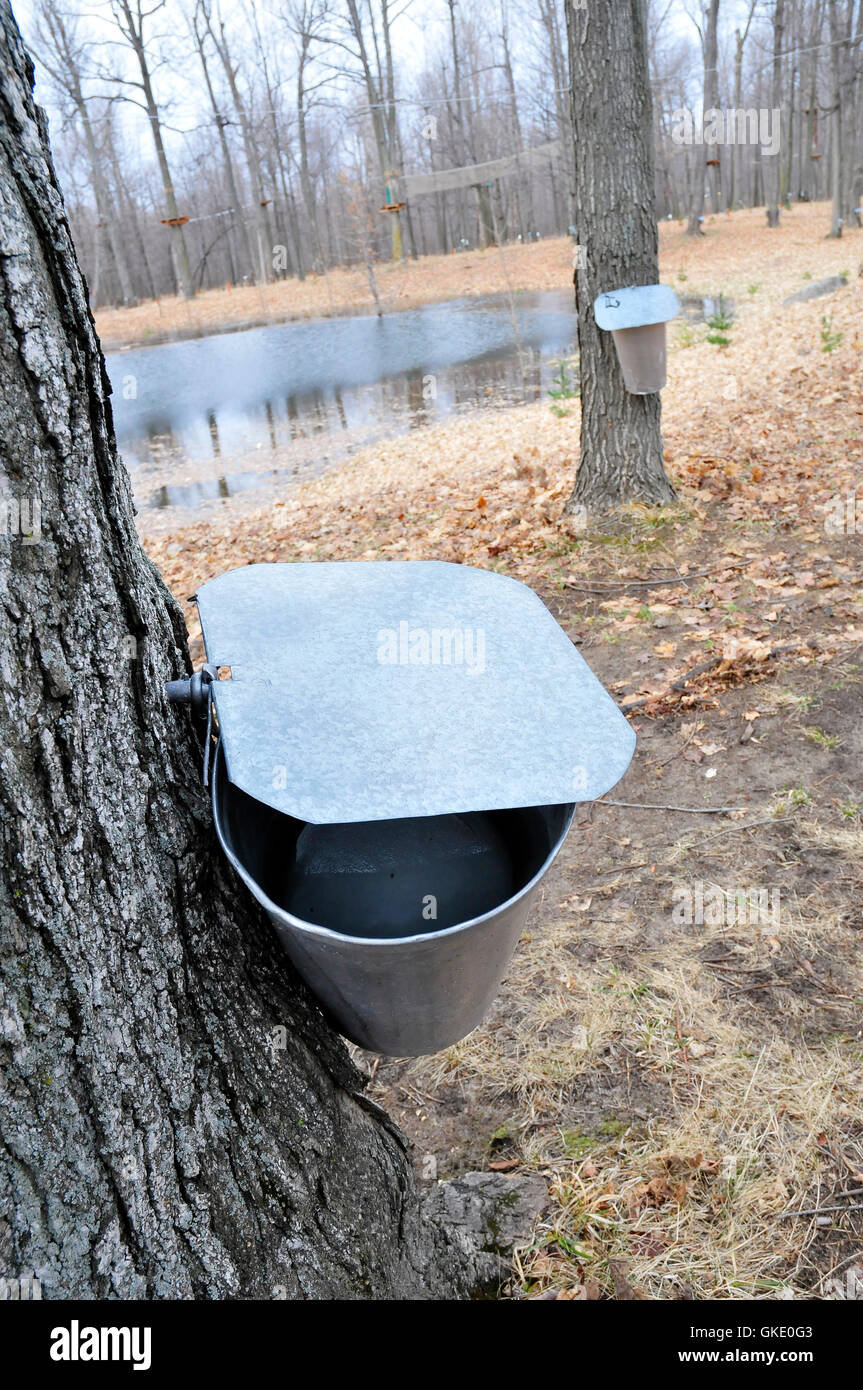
{"x":712,"y":1129}
{"x":343,"y":290}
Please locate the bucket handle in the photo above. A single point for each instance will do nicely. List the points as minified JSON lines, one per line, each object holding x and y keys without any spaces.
{"x":195,"y":690}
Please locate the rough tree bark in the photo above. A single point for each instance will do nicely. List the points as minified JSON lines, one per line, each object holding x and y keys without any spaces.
{"x":159,"y":1137}
{"x":621,"y":440}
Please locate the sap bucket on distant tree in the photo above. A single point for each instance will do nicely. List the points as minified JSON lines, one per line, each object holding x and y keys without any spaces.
{"x":636,"y":318}
{"x":401,"y":747}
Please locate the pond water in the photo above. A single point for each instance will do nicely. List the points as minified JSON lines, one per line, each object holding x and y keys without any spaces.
{"x":199,"y":421}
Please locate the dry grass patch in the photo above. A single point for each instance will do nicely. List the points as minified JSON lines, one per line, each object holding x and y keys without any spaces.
{"x":738,"y":257}
{"x":674,"y":1137}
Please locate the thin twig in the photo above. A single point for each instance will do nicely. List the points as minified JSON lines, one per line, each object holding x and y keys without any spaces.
{"x":817,"y":1211}
{"x":687,"y":810}
{"x":766,"y":984}
{"x":599,"y":588}
{"x":621,"y":868}
{"x":695,"y":725}
{"x":750,"y":825}
{"x":680,"y":1041}
{"x":700,"y":670}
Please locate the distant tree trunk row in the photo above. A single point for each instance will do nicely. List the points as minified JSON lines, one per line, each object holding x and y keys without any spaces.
{"x":211,"y":143}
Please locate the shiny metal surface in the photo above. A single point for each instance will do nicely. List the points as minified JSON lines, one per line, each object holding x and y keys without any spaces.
{"x":635,"y":306}
{"x":378,"y":690}
{"x":401,"y":996}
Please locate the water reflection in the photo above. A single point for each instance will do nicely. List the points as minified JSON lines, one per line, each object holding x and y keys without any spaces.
{"x":296,"y":398}
{"x":211,"y":489}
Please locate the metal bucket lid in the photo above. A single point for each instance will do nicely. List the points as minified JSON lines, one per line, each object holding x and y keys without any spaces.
{"x":635,"y":306}
{"x":342,"y":705}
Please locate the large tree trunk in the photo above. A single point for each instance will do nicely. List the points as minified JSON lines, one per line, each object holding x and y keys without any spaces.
{"x":621,"y":441}
{"x":177,"y":1119}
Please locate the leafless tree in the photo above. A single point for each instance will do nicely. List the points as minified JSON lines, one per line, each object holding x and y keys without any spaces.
{"x":132,"y":19}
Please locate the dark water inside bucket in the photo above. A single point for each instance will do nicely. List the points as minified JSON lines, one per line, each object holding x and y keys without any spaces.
{"x":400,"y":877}
{"x":294,"y":398}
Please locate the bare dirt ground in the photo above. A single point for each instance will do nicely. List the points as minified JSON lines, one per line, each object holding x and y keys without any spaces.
{"x":684,"y":1086}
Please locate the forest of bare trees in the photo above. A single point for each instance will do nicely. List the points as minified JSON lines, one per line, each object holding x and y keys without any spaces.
{"x":212,"y":142}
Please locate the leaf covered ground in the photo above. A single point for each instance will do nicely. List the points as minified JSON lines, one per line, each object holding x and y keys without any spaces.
{"x":685,"y":1087}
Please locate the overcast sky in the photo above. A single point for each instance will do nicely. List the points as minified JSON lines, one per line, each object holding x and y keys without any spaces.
{"x":420,"y":34}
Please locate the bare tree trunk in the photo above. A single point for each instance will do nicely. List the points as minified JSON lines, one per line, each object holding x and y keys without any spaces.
{"x":548,"y":14}
{"x":836,"y":103}
{"x":154,"y":1143}
{"x":61,"y":56}
{"x":105,"y":208}
{"x":709,"y":50}
{"x":197,"y":24}
{"x":278,"y":160}
{"x":306,"y":184}
{"x":758,"y":191}
{"x":394,"y":137}
{"x":523,"y":190}
{"x":378,"y":107}
{"x":711,"y":94}
{"x":621,"y":442}
{"x":807,"y":183}
{"x":131,"y":212}
{"x":856,"y":128}
{"x":456,"y":112}
{"x":794,"y":43}
{"x":843,"y":115}
{"x":774,"y":174}
{"x":262,"y":231}
{"x":672,"y":201}
{"x":739,"y":43}
{"x":131,"y":26}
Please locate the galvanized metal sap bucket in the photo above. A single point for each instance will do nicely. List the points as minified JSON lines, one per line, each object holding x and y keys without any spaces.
{"x":404,"y":995}
{"x":401,"y":747}
{"x":636,"y":318}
